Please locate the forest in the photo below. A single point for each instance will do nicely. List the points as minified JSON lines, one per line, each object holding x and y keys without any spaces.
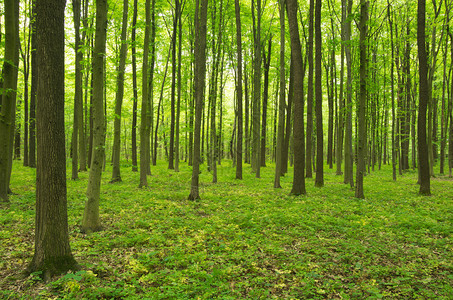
{"x":232,"y":149}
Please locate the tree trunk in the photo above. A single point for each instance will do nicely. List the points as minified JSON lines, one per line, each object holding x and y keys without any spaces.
{"x":91,"y":220}
{"x":423,"y":101}
{"x":178,"y":103}
{"x":299,"y":145}
{"x":281,"y":101}
{"x":361,"y":114}
{"x":52,"y":251}
{"x":239,"y":90}
{"x":8,"y":96}
{"x":256,"y":144}
{"x":319,"y":180}
{"x":392,"y":82}
{"x":116,"y":172}
{"x":146,"y":107}
{"x":134,"y":87}
{"x":267,"y":63}
{"x":310,"y":96}
{"x":201,"y":13}
{"x":171,"y":158}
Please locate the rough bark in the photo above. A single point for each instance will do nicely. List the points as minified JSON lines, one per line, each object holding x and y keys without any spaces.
{"x":423,"y":101}
{"x":299,"y":145}
{"x":201,"y":13}
{"x":52,"y":250}
{"x":281,"y":101}
{"x":361,"y":111}
{"x":116,"y":171}
{"x":91,"y":221}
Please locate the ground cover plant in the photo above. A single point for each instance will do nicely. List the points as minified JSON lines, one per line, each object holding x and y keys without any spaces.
{"x":243,"y":239}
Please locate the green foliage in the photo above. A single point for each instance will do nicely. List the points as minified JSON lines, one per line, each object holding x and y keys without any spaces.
{"x":243,"y":240}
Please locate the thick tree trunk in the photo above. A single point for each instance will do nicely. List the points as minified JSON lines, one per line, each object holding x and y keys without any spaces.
{"x":424,"y":96}
{"x":52,"y":251}
{"x":201,"y":13}
{"x":116,"y":171}
{"x":299,"y":145}
{"x":91,"y":220}
{"x":8,"y":96}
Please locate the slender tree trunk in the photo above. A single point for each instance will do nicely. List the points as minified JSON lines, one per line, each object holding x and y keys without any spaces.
{"x":267,"y":63}
{"x":310,"y":96}
{"x":91,"y":220}
{"x":392,"y":83}
{"x":288,"y":127}
{"x":201,"y":13}
{"x":239,"y":90}
{"x":178,"y":103}
{"x":26,"y":60}
{"x":171,"y":158}
{"x":319,"y":180}
{"x":52,"y":250}
{"x":424,"y":96}
{"x":146,"y":109}
{"x":34,"y":79}
{"x":256,"y":145}
{"x":281,"y":102}
{"x":362,"y":135}
{"x":134,"y":87}
{"x":116,"y":172}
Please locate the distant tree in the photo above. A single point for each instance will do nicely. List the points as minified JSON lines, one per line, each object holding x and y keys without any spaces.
{"x":308,"y":156}
{"x":348,"y":154}
{"x":296,"y":56}
{"x":423,"y":101}
{"x":256,"y":141}
{"x":52,"y":251}
{"x":91,"y":220}
{"x":201,"y":16}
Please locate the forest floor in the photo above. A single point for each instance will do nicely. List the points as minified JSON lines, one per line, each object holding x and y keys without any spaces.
{"x":242,"y":240}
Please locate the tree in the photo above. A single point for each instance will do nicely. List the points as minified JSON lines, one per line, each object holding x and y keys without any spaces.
{"x":173,"y":87}
{"x":281,"y":101}
{"x":134,"y":87}
{"x":201,"y":16}
{"x":319,"y":180}
{"x":256,"y":144}
{"x":239,"y":90}
{"x":361,"y":111}
{"x":8,"y":95}
{"x":52,"y":250}
{"x":308,"y":156}
{"x":423,"y":101}
{"x":296,"y":56}
{"x":348,"y":155}
{"x":146,"y":107}
{"x":91,"y":220}
{"x":116,"y":172}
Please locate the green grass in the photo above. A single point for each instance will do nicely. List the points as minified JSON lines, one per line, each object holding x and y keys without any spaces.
{"x":243,"y":240}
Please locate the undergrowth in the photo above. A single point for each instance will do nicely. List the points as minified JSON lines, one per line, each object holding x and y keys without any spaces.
{"x":242,"y":240}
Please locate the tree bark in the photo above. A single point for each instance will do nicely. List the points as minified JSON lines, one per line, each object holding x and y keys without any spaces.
{"x":310,"y":96}
{"x":299,"y":145}
{"x":319,"y":180}
{"x":239,"y":90}
{"x":8,"y":96}
{"x":423,"y":101}
{"x":281,"y":101}
{"x":267,"y":63}
{"x":134,"y":88}
{"x":361,"y":114}
{"x":116,"y":171}
{"x":201,"y":13}
{"x":91,"y":220}
{"x":52,"y":250}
